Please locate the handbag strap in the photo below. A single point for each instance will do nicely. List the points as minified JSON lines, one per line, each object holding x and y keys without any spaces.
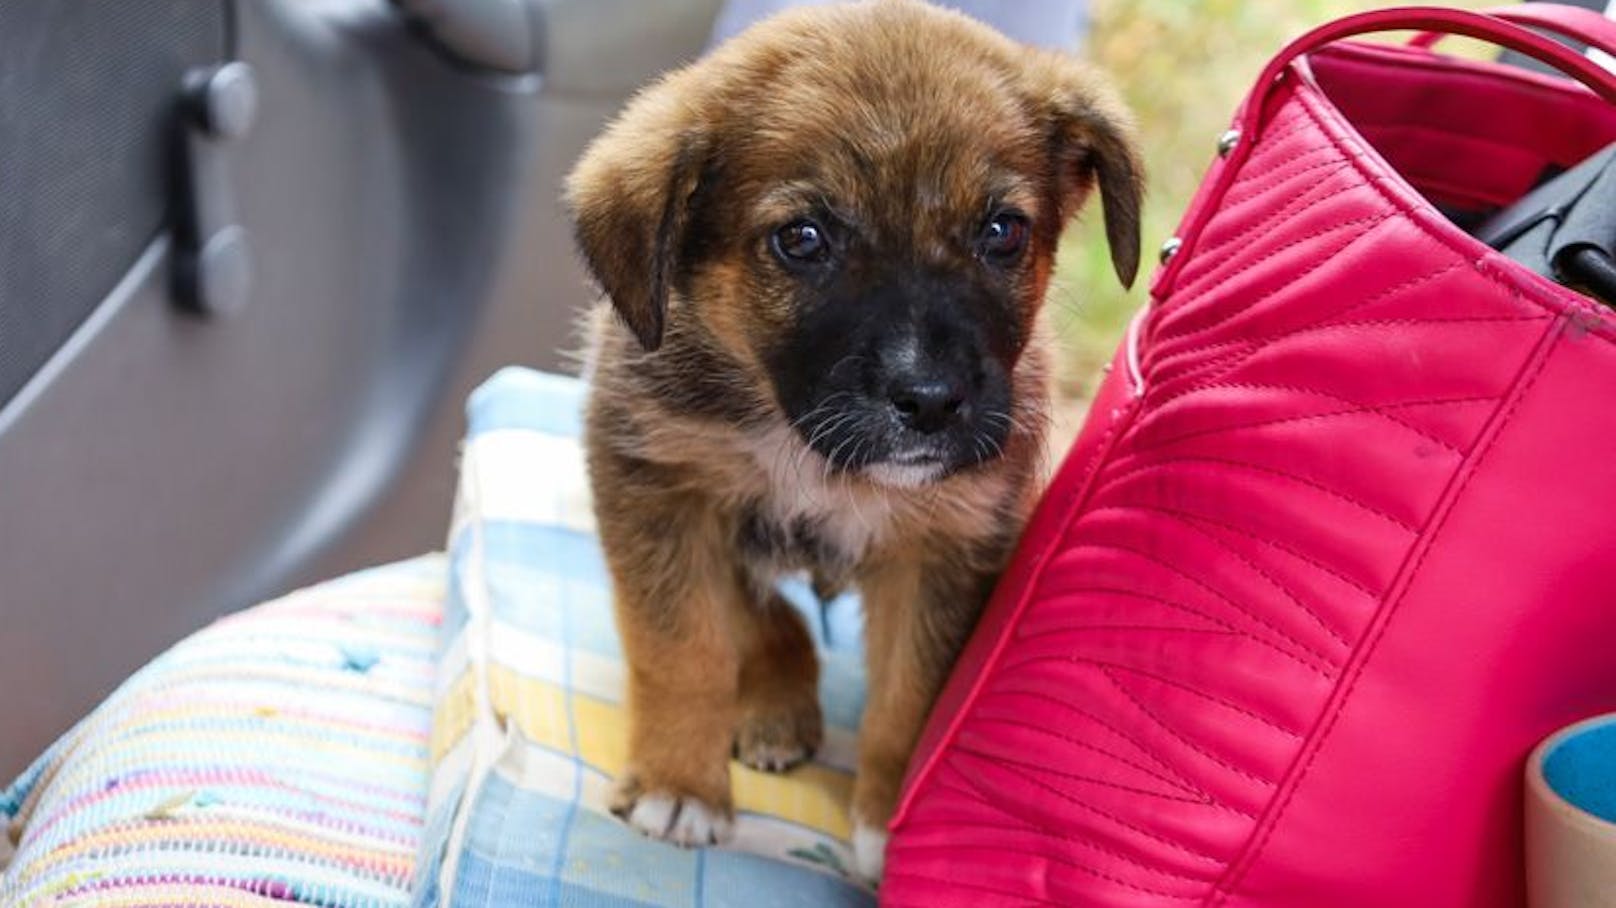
{"x":1433,"y":19}
{"x":1574,"y":22}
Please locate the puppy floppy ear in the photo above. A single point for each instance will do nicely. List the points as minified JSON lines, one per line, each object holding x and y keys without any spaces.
{"x":629,"y":198}
{"x":1094,"y":142}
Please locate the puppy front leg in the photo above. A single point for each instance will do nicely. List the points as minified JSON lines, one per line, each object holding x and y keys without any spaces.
{"x":673,"y":606}
{"x":918,"y":615}
{"x":780,"y":724}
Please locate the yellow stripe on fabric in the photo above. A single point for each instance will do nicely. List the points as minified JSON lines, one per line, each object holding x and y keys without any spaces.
{"x":539,"y":707}
{"x":291,"y":718}
{"x":451,"y":719}
{"x":195,"y":743}
{"x":813,"y":795}
{"x":238,"y":836}
{"x":602,"y":733}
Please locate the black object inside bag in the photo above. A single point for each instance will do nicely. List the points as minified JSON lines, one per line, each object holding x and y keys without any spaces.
{"x":1565,"y":229}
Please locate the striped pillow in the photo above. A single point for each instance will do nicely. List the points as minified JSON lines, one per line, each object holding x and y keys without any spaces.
{"x":529,"y":728}
{"x":278,"y":756}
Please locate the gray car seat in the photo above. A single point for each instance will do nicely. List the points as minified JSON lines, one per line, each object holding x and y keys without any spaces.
{"x":240,"y":306}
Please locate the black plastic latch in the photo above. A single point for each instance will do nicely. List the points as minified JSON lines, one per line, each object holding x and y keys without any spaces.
{"x":212,"y":258}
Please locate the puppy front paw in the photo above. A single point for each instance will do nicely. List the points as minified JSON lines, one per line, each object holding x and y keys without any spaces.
{"x":774,"y":737}
{"x":681,"y":818}
{"x":869,"y":851}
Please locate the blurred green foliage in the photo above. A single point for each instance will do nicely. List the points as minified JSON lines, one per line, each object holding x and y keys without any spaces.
{"x":1183,"y":66}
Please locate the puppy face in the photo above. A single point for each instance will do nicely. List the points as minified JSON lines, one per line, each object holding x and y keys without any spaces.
{"x":857,"y":210}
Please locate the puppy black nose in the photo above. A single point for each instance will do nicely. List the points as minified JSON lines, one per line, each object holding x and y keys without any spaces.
{"x":927,"y":405}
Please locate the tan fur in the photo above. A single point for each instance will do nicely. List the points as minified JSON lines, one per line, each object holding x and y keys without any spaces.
{"x":903,"y":116}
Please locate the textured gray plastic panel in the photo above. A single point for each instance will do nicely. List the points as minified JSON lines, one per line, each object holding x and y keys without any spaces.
{"x":82,"y":158}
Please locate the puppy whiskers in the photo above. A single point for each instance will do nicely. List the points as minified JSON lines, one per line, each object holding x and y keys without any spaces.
{"x":998,"y":449}
{"x":826,"y":420}
{"x":826,"y":429}
{"x":853,"y":496}
{"x":830,"y":462}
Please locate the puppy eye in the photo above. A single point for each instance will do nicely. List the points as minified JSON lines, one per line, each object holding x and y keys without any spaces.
{"x":1003,"y":238}
{"x":801,"y":242}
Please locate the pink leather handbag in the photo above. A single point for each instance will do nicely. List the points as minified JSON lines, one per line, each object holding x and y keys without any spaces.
{"x":1337,"y":545}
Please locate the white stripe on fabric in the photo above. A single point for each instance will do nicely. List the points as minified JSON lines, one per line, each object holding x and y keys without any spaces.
{"x":541,"y":479}
{"x":489,"y":739}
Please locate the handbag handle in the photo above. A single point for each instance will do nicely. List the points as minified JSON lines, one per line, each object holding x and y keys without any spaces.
{"x":1433,"y":19}
{"x":1574,"y":22}
{"x":1250,"y":118}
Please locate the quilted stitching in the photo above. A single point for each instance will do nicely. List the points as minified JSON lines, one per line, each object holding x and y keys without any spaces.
{"x":1246,"y":860}
{"x":1200,"y":612}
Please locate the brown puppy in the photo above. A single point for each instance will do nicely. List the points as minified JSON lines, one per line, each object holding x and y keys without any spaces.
{"x":827,"y":246}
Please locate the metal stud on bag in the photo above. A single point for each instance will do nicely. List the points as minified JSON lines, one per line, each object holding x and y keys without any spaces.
{"x":1227,"y":142}
{"x":1170,"y":249}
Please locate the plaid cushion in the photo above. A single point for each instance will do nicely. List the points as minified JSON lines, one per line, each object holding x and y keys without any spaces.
{"x":529,"y":728}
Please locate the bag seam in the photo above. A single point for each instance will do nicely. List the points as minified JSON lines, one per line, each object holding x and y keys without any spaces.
{"x":1387,"y":613}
